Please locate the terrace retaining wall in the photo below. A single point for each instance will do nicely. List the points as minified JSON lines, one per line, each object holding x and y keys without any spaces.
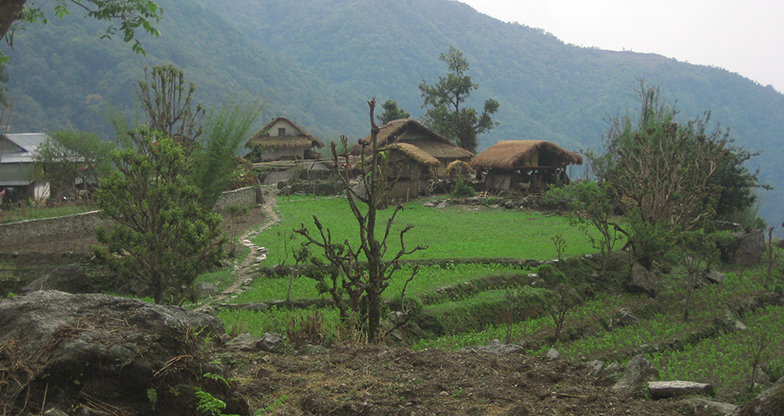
{"x":77,"y":232}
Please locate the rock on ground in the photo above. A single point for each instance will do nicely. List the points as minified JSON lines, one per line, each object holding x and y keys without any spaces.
{"x":769,"y":403}
{"x":666,"y":389}
{"x":85,"y":352}
{"x":638,"y":371}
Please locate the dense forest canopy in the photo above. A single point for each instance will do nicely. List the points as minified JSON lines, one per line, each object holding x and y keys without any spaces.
{"x":319,"y":61}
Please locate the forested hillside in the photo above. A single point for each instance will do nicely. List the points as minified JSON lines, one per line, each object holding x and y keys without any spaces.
{"x":317,"y":61}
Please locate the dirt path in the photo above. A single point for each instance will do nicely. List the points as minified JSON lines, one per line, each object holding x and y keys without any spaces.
{"x":243,"y":268}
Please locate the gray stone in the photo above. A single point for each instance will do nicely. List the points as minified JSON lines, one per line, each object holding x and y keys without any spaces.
{"x":740,"y":326}
{"x":496,"y":347}
{"x":429,"y":204}
{"x":642,"y":280}
{"x":553,"y":354}
{"x":637,"y":372}
{"x":667,"y":389}
{"x":595,"y":367}
{"x":720,"y":408}
{"x":254,"y":307}
{"x":271,"y":342}
{"x":714,"y":276}
{"x":613,"y":368}
{"x":627,"y":318}
{"x":207,"y":289}
{"x":743,"y":248}
{"x":116,"y":343}
{"x":769,"y":403}
{"x":243,"y":342}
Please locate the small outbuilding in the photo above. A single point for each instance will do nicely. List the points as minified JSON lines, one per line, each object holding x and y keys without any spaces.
{"x":425,"y":141}
{"x":282,"y":139}
{"x":18,"y":168}
{"x":407,"y":165}
{"x":526,"y":165}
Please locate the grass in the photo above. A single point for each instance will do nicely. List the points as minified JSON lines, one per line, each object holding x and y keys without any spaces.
{"x":681,"y":350}
{"x":32,"y":213}
{"x":454,"y":232}
{"x":724,"y":361}
{"x":429,"y":278}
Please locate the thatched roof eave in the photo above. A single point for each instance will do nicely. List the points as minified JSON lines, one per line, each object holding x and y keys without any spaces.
{"x":511,"y":154}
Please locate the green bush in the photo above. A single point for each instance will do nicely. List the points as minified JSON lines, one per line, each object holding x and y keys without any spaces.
{"x":463,"y":189}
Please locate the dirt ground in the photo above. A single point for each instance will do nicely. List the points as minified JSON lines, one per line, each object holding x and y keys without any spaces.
{"x":377,"y":380}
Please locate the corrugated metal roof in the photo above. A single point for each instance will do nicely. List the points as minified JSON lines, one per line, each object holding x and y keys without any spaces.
{"x":28,"y":142}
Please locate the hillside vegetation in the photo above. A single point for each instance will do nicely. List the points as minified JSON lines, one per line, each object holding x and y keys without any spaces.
{"x":317,"y":61}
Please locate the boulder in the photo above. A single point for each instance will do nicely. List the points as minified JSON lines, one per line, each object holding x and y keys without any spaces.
{"x":57,"y":348}
{"x":553,"y":354}
{"x":713,"y":276}
{"x":642,"y":280}
{"x":769,"y":403}
{"x":744,"y":248}
{"x":667,"y":389}
{"x":637,"y":372}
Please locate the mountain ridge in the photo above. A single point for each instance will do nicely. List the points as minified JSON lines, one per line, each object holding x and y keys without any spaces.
{"x":319,"y":61}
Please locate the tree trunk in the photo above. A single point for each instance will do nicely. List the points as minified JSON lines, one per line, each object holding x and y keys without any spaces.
{"x":10,"y":11}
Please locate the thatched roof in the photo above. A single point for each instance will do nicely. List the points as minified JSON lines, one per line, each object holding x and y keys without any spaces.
{"x":263,"y":139}
{"x":412,"y":132}
{"x":513,"y":154}
{"x":415,"y":153}
{"x":410,"y":151}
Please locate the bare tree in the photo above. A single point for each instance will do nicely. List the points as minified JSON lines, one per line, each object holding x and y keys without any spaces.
{"x":360,"y":271}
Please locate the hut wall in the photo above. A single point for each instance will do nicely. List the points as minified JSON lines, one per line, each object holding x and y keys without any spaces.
{"x":404,"y":189}
{"x":290,"y":130}
{"x":498,"y":181}
{"x":287,"y":153}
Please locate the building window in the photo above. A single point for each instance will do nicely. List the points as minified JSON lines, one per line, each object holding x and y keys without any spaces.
{"x":281,"y":131}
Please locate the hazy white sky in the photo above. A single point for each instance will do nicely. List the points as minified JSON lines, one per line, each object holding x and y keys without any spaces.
{"x":742,"y":36}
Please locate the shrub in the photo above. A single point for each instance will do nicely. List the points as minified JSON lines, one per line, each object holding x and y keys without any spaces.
{"x":463,"y":189}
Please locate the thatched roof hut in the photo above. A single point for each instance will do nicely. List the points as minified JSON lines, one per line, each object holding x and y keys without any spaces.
{"x":281,"y":138}
{"x":515,"y":154}
{"x":412,"y":132}
{"x":527,"y":165}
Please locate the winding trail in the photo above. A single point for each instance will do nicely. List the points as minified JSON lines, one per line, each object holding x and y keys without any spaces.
{"x":243,"y":269}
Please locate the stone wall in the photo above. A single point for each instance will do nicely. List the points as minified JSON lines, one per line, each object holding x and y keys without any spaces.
{"x":243,"y":197}
{"x":14,"y":237}
{"x":77,"y":232}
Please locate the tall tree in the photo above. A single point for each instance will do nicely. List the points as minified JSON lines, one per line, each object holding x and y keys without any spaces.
{"x":210,"y":143}
{"x":129,"y":14}
{"x":162,"y":236}
{"x":668,"y":175}
{"x":391,"y":112}
{"x":71,"y":158}
{"x":445,"y":103}
{"x":665,"y":169}
{"x":216,"y":165}
{"x":167,"y":101}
